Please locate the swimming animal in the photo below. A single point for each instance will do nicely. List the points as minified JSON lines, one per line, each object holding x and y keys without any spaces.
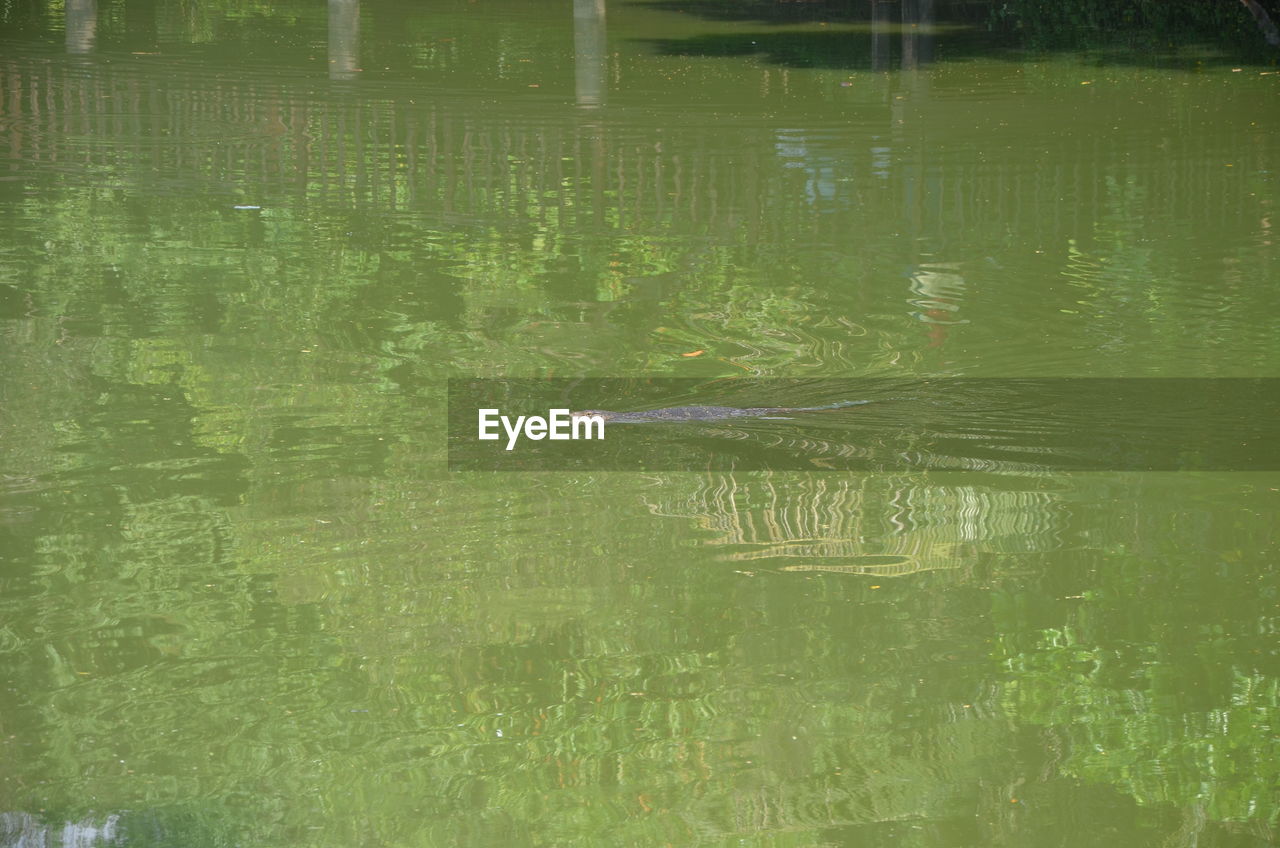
{"x":707,"y":413}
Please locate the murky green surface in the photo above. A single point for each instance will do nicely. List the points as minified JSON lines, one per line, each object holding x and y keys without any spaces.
{"x":243,"y":246}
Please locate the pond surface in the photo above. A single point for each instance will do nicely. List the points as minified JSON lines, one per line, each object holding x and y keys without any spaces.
{"x":244,"y":247}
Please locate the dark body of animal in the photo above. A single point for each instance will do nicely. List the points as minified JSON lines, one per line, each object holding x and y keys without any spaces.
{"x":707,"y":413}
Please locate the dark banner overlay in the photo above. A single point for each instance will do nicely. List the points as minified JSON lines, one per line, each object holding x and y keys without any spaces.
{"x":1013,"y":425}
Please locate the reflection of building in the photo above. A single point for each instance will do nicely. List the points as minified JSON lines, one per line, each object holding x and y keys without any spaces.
{"x":877,"y":524}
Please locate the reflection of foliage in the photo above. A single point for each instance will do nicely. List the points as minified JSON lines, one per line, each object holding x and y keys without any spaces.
{"x":1224,"y":758}
{"x":1132,"y":292}
{"x":1178,"y":707}
{"x":233,"y":568}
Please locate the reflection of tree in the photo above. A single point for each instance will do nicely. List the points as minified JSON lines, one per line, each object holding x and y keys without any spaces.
{"x":1177,"y":705}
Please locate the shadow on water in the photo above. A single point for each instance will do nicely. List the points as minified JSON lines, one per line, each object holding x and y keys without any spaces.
{"x":773,"y":12}
{"x":1174,"y":35}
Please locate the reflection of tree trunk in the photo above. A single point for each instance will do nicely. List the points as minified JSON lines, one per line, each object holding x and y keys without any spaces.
{"x":589,"y":88}
{"x":926,"y":18}
{"x":301,"y":144}
{"x":879,"y":35}
{"x":910,"y":58}
{"x":589,"y":52}
{"x":82,"y":25}
{"x":917,"y":33}
{"x":344,"y":39}
{"x":1265,"y":23}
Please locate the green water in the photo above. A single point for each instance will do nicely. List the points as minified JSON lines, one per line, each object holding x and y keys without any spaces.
{"x":243,"y":246}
